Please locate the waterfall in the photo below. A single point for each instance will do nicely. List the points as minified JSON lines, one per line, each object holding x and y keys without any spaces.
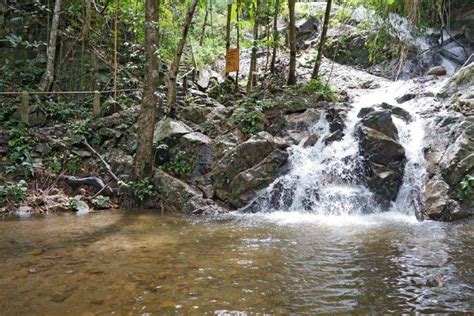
{"x":325,"y":179}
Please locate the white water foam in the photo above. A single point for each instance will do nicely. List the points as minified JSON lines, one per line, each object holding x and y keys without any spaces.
{"x":322,"y":185}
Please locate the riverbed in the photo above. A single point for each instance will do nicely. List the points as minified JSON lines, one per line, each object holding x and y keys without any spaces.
{"x":141,"y":263}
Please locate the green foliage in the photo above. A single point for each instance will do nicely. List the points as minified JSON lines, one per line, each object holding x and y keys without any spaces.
{"x":249,"y":115}
{"x":20,"y":147}
{"x":182,"y":165}
{"x":54,"y":164}
{"x":318,"y":88}
{"x":12,"y":192}
{"x":80,"y":129}
{"x":141,"y":190}
{"x":467,"y":189}
{"x":72,"y":164}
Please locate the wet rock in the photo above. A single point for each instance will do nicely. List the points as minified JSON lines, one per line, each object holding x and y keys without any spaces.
{"x":168,"y":128}
{"x":381,"y":149}
{"x":437,"y":71}
{"x":406,"y":97}
{"x":244,"y":186}
{"x":397,"y":111}
{"x":364,"y":111}
{"x":24,"y":209}
{"x":78,"y":206}
{"x":438,"y":204}
{"x":384,"y":163}
{"x":179,"y":197}
{"x":381,"y":121}
{"x":334,"y":137}
{"x":101,"y":202}
{"x":241,"y":158}
{"x":311,"y":141}
{"x":299,"y":124}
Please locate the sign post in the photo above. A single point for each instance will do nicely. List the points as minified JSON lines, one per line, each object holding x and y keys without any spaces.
{"x":232,"y":60}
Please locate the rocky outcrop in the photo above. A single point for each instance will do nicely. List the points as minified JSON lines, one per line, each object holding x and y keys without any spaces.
{"x":243,"y":187}
{"x":248,"y":167}
{"x":450,"y":163}
{"x":299,"y":124}
{"x":460,"y":89}
{"x":179,"y":197}
{"x":384,"y":156}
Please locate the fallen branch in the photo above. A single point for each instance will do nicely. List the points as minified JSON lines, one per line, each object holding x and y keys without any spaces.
{"x":107,"y":166}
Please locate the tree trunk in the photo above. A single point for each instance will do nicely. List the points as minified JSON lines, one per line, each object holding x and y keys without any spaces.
{"x":275,"y":36}
{"x":292,"y":37}
{"x":203,"y":31}
{"x":253,"y":58}
{"x":117,"y":8}
{"x":48,"y":76}
{"x":177,"y":59}
{"x":227,"y":30}
{"x":322,"y":40}
{"x":144,"y":161}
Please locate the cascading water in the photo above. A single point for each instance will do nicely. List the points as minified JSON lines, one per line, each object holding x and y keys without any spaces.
{"x":325,"y":179}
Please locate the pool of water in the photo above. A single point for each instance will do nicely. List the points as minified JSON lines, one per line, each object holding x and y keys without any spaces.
{"x":143,"y":263}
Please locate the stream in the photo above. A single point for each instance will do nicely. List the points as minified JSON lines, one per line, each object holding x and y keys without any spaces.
{"x":143,"y":263}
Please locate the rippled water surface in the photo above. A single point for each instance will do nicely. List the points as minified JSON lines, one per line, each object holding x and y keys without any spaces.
{"x":138,"y":263}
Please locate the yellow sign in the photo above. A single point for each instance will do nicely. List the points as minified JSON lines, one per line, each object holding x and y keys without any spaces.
{"x":232,"y":60}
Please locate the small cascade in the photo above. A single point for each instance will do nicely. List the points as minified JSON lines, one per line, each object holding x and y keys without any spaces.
{"x":326,"y":179}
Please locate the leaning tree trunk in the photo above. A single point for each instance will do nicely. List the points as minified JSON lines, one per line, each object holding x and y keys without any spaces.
{"x":177,"y":59}
{"x":253,"y":57}
{"x":48,"y":76}
{"x":275,"y":36}
{"x":292,"y":37}
{"x":143,"y":164}
{"x":322,"y":41}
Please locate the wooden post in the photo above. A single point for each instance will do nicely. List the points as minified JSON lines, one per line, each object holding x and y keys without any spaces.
{"x":96,"y":108}
{"x":25,"y":107}
{"x":185,"y":84}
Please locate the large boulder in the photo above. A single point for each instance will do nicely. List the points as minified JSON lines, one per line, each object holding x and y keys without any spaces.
{"x":241,"y":158}
{"x":384,"y":157}
{"x":244,"y":186}
{"x":179,"y":197}
{"x":306,"y":29}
